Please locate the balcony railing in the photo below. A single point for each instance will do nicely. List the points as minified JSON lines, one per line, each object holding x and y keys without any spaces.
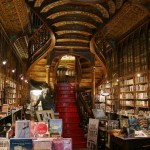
{"x":39,"y":43}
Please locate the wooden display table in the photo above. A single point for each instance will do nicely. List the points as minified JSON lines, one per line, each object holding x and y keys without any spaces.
{"x":119,"y":143}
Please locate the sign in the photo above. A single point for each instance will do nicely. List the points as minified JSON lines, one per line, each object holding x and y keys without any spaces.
{"x":92,"y":133}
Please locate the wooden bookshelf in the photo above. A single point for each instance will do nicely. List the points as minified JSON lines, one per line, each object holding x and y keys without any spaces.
{"x":129,"y":63}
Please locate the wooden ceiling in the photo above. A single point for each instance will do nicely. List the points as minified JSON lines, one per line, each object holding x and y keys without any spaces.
{"x":74,"y":22}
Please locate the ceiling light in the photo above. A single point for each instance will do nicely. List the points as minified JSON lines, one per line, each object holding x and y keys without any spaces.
{"x":4,"y":62}
{"x":138,"y":75}
{"x":13,"y":70}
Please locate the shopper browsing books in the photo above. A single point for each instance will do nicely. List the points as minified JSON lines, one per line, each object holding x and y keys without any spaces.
{"x":45,"y":98}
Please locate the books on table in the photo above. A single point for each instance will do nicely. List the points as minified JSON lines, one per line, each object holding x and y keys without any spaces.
{"x":20,"y":144}
{"x":22,"y":129}
{"x":55,"y":126}
{"x":39,"y":129}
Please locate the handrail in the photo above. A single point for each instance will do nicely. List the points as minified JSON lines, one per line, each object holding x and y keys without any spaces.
{"x":38,"y":39}
{"x":85,"y":105}
{"x":39,"y":43}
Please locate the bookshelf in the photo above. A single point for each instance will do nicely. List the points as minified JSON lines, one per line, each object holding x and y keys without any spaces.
{"x":10,"y":92}
{"x":129,"y":63}
{"x":126,"y":95}
{"x":142,"y":91}
{"x":111,"y":100}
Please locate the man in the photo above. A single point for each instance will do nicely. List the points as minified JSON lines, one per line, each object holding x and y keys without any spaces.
{"x":45,"y":98}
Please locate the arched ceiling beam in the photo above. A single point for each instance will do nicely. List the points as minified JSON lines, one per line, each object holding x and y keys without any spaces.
{"x":72,"y":27}
{"x":72,"y":40}
{"x":86,"y":24}
{"x":72,"y":47}
{"x":112,"y":7}
{"x":73,"y":36}
{"x":102,"y":9}
{"x":38,"y":3}
{"x":70,"y":43}
{"x":52,"y":5}
{"x":65,"y":13}
{"x":72,"y":31}
{"x":75,"y":18}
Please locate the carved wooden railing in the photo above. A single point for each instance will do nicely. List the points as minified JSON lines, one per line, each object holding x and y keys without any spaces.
{"x":99,"y":47}
{"x":39,"y":43}
{"x":84,"y":109}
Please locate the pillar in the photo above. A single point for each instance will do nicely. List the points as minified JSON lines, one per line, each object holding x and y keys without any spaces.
{"x":47,"y":74}
{"x":93,"y":87}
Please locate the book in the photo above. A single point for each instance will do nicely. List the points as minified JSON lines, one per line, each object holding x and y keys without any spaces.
{"x":67,"y":143}
{"x":134,"y":124}
{"x":58,"y":144}
{"x":98,"y":113}
{"x":4,"y":144}
{"x":124,"y":123}
{"x":143,"y":122}
{"x":42,"y":144}
{"x":55,"y":127}
{"x":39,"y":129}
{"x":22,"y":129}
{"x":113,"y":124}
{"x":148,"y":123}
{"x":140,"y":134}
{"x":20,"y":144}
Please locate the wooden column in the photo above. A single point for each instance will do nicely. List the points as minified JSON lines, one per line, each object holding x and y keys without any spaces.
{"x":47,"y":74}
{"x":93,"y":87}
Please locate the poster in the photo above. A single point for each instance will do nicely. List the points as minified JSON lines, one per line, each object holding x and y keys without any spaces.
{"x":92,"y":133}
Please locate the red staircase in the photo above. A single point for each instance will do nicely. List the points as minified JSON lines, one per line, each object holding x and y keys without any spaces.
{"x":65,"y":105}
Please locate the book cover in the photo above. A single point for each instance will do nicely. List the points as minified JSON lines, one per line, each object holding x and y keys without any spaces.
{"x":98,"y":113}
{"x":20,"y":144}
{"x":55,"y":127}
{"x":22,"y":129}
{"x":67,"y":143}
{"x":42,"y":144}
{"x":39,"y":129}
{"x":4,"y":144}
{"x":124,"y":123}
{"x":143,"y":123}
{"x":113,"y":124}
{"x":134,"y":124}
{"x":58,"y":144}
{"x":148,"y":123}
{"x":140,"y":134}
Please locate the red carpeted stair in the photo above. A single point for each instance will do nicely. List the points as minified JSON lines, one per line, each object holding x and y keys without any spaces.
{"x":65,"y":105}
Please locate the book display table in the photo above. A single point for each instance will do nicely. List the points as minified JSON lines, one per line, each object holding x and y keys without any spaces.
{"x":119,"y":143}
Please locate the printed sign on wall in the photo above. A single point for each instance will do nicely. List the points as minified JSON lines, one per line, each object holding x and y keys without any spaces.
{"x":92,"y":133}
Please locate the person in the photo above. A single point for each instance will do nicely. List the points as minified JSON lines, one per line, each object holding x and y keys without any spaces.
{"x":45,"y":98}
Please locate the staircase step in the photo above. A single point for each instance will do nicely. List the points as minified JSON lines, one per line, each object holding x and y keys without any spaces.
{"x":66,"y":84}
{"x":69,"y":109}
{"x":81,"y":144}
{"x":71,"y":119}
{"x":66,"y":96}
{"x":70,"y":126}
{"x":66,"y":92}
{"x":67,"y":88}
{"x":67,"y":104}
{"x":73,"y":132}
{"x":65,"y":100}
{"x":71,"y":114}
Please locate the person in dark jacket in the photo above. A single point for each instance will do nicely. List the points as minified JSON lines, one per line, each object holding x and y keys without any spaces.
{"x":45,"y":98}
